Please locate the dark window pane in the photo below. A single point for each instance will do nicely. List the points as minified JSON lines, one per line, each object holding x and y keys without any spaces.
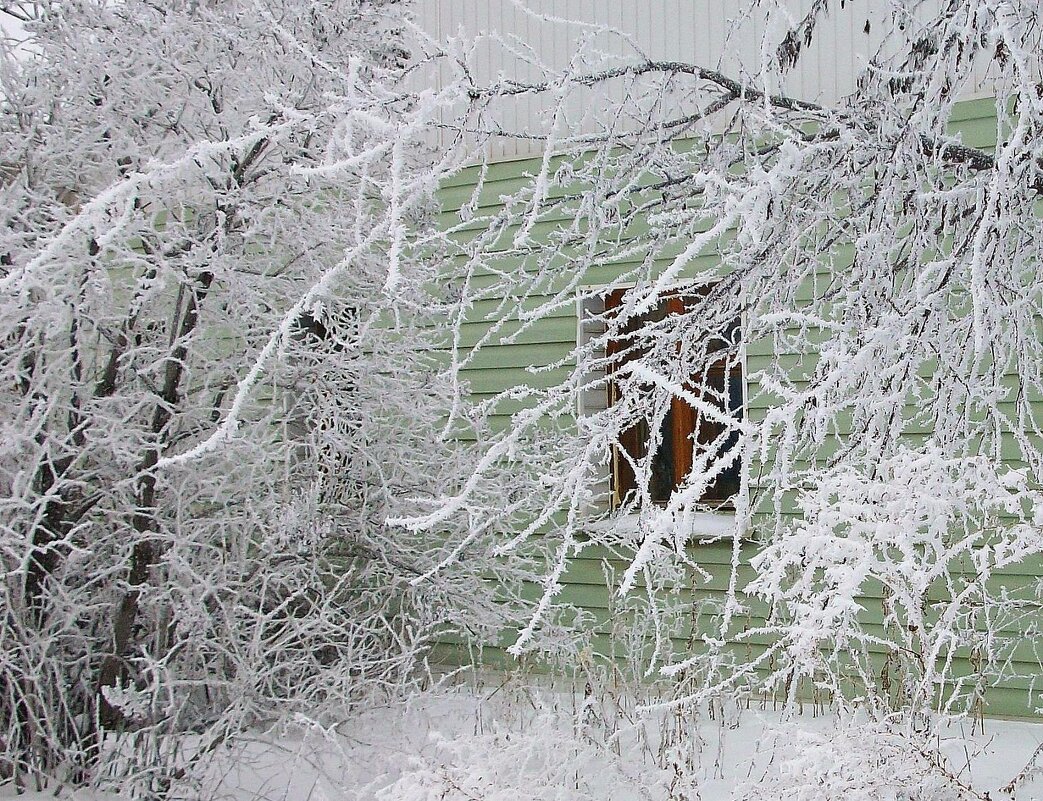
{"x":683,"y":430}
{"x":662,"y":484}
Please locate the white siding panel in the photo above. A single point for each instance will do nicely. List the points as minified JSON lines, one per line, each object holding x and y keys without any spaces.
{"x":720,"y":33}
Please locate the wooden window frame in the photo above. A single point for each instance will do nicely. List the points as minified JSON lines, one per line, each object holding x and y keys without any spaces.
{"x":687,"y":428}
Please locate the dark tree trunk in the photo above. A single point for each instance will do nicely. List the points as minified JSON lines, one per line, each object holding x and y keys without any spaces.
{"x":146,"y":550}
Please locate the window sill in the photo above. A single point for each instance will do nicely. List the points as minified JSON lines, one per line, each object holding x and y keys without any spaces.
{"x":699,"y":526}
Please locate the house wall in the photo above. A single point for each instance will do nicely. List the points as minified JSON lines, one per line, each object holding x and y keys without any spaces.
{"x":501,"y":366}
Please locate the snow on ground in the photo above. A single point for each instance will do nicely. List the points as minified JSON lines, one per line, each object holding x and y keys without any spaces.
{"x":516,"y":744}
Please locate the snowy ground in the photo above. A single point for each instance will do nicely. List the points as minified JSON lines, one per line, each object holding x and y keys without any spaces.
{"x":512,"y":744}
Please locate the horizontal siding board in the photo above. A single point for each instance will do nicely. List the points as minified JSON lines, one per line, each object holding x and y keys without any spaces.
{"x":520,"y":355}
{"x":500,"y":380}
{"x":550,"y":331}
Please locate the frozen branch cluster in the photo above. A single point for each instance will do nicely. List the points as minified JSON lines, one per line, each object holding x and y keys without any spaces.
{"x":218,"y":379}
{"x":886,"y":275}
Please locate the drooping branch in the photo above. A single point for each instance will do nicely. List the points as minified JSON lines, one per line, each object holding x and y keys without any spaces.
{"x":945,"y":148}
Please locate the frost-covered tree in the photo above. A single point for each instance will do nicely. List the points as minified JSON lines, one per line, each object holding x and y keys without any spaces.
{"x":217,"y":381}
{"x":883,"y":277}
{"x":221,"y":298}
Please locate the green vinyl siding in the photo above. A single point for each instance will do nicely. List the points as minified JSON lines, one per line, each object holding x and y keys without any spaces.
{"x":506,"y":360}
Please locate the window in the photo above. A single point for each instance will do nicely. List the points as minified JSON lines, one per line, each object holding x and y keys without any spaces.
{"x":686,"y":435}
